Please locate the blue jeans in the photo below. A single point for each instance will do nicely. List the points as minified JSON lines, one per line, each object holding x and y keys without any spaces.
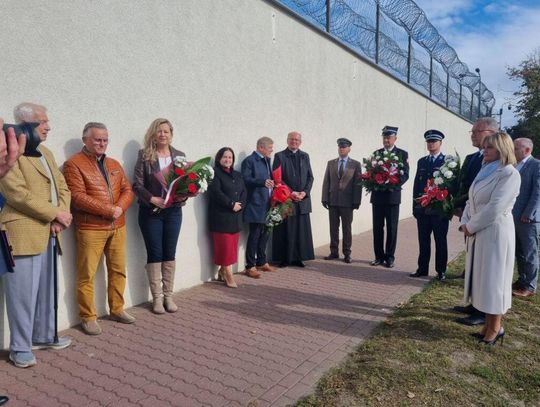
{"x":160,"y":232}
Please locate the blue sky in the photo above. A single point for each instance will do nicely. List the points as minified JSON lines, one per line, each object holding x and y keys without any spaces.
{"x":490,"y":35}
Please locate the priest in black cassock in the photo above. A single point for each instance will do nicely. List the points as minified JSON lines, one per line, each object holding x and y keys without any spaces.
{"x":292,"y":242}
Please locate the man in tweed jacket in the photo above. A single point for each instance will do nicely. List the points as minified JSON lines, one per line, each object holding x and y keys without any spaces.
{"x":35,"y":212}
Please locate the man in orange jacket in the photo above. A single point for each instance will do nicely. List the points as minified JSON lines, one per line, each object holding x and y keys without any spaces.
{"x":101,"y":194}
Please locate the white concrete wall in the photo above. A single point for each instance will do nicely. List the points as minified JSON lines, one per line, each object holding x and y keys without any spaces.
{"x":225,"y":73}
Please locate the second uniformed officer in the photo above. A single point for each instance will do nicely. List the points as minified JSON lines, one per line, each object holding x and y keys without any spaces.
{"x":430,"y":220}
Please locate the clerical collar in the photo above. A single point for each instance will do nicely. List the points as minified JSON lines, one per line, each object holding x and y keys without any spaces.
{"x":292,"y":151}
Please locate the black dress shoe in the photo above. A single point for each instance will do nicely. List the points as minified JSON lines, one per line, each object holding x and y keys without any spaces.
{"x":441,"y":276}
{"x":472,"y":320}
{"x":283,"y":264}
{"x":418,"y":273}
{"x":389,"y":264}
{"x":3,"y":400}
{"x":469,"y":309}
{"x":298,"y":263}
{"x":376,"y":262}
{"x":347,"y":259}
{"x":331,"y":257}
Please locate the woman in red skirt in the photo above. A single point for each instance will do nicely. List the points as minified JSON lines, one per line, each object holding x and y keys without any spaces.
{"x":227,"y":195}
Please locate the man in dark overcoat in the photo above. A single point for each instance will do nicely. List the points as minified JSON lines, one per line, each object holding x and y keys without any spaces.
{"x":257,"y":174}
{"x":385,"y":205}
{"x":292,"y":241}
{"x":341,"y":195}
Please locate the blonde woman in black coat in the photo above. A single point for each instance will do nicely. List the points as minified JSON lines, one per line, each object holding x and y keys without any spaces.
{"x":227,"y":195}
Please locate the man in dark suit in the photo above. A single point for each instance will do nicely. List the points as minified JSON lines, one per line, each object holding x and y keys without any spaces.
{"x":526,"y":214}
{"x":292,"y":241}
{"x":257,"y":174}
{"x":385,"y":205}
{"x":482,"y":127}
{"x":429,"y":220}
{"x":341,"y":194}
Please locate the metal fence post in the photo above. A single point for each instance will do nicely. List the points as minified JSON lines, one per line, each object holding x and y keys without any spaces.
{"x":447,"y":88}
{"x":377,"y":31}
{"x":430,"y":76}
{"x":409,"y":59}
{"x":472,"y":100}
{"x":328,"y":16}
{"x":460,"y":96}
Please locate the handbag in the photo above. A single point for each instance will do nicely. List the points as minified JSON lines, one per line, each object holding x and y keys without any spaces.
{"x":7,"y":262}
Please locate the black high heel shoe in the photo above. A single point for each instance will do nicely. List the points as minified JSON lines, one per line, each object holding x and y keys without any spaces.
{"x":494,"y":340}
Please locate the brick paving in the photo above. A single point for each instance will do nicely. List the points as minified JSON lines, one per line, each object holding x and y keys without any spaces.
{"x":263,"y":344}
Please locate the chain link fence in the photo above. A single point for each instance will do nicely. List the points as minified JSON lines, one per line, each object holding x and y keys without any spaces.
{"x":397,"y":36}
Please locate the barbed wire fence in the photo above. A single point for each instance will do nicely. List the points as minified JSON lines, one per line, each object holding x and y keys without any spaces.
{"x":397,"y":36}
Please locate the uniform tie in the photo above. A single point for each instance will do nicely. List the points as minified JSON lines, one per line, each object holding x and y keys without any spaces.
{"x":341,"y":167}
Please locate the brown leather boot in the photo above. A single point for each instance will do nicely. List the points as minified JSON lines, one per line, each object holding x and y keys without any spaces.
{"x":153,"y":271}
{"x":168,"y":269}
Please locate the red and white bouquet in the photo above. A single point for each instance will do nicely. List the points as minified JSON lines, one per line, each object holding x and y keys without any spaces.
{"x":183,"y":179}
{"x":383,"y":171}
{"x":440,"y":190}
{"x":281,"y":204}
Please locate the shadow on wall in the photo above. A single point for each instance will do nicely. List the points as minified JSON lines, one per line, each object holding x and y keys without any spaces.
{"x":135,"y":252}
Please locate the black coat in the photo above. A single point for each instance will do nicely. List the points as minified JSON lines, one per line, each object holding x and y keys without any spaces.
{"x":223,"y":192}
{"x":469,"y":169}
{"x":302,"y":181}
{"x":392,"y":197}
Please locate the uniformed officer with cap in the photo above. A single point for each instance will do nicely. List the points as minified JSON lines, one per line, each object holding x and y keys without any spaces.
{"x":341,"y":194}
{"x":385,"y":205}
{"x":430,"y":220}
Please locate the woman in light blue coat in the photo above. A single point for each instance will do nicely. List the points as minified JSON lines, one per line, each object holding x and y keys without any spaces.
{"x":489,"y":227}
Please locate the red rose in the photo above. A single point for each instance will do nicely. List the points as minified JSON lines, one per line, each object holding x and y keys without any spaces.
{"x":192,"y":188}
{"x":424,"y":201}
{"x":193,"y":176}
{"x":179,"y":171}
{"x":393,"y":180}
{"x":442,"y":194}
{"x":281,"y":193}
{"x":379,"y":179}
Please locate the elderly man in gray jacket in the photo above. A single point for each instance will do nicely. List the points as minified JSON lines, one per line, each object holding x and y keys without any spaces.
{"x":526,"y":214}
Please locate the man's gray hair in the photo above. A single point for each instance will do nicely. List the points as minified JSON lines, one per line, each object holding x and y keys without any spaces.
{"x":26,"y":112}
{"x":489,"y":122}
{"x":264,"y":141}
{"x":525,"y":142}
{"x":92,"y":125}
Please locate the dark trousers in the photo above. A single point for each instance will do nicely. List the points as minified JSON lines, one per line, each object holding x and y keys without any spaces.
{"x":160,"y":232}
{"x":345,"y":215}
{"x":382,"y":214}
{"x":438,"y":225}
{"x":527,"y":254}
{"x":256,"y":245}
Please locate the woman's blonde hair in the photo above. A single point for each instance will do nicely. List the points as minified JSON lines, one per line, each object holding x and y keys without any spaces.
{"x":149,"y":150}
{"x":504,"y":145}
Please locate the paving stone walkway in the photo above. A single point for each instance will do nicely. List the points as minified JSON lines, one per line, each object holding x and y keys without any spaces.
{"x":263,"y":344}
